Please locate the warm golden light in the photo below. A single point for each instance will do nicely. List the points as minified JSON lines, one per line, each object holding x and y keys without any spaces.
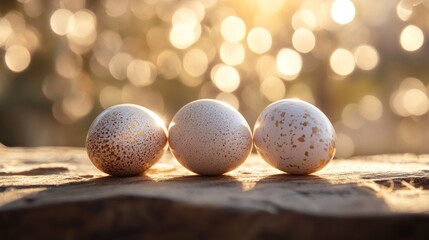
{"x":5,"y":30}
{"x":233,"y":29}
{"x":416,"y":102}
{"x":141,"y":73}
{"x":83,"y":25}
{"x":232,"y":53}
{"x":77,"y":105}
{"x":347,"y":57}
{"x":62,"y":21}
{"x":270,"y":6}
{"x":289,"y":62}
{"x":411,"y":38}
{"x":118,"y":65}
{"x":404,"y":10}
{"x":259,"y":40}
{"x":229,"y":98}
{"x":169,"y":64}
{"x":411,"y":99}
{"x":266,"y":66}
{"x":301,"y":91}
{"x":371,"y":108}
{"x":303,"y":40}
{"x":116,"y":8}
{"x":226,"y":78}
{"x":184,"y":35}
{"x":17,"y":58}
{"x":366,"y":57}
{"x":351,"y":116}
{"x":343,"y":11}
{"x":195,"y":62}
{"x":342,"y":62}
{"x":345,"y":146}
{"x":110,"y":96}
{"x":68,"y":65}
{"x":186,"y":28}
{"x":273,"y":88}
{"x":304,"y":18}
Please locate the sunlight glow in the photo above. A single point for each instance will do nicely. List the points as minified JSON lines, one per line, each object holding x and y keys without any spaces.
{"x":273,"y":88}
{"x":17,"y":58}
{"x":289,"y":62}
{"x":226,"y":78}
{"x":303,"y":40}
{"x":233,"y":29}
{"x":259,"y":40}
{"x":343,"y":11}
{"x":232,"y":53}
{"x":342,"y":62}
{"x":366,"y":57}
{"x":411,"y":38}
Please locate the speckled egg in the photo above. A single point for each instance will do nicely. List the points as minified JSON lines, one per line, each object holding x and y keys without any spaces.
{"x":295,"y":137}
{"x":126,"y":139}
{"x":209,"y":137}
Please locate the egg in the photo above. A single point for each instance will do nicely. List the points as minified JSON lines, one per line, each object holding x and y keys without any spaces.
{"x":126,"y":139}
{"x":295,"y":137}
{"x":209,"y":137}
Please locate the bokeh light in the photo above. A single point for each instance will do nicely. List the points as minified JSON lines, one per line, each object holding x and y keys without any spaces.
{"x":411,"y":98}
{"x":361,"y":62}
{"x":17,"y":58}
{"x":273,"y":88}
{"x":343,"y":11}
{"x":289,"y":62}
{"x":371,"y":108}
{"x":195,"y":62}
{"x":118,"y":65}
{"x":412,"y":38}
{"x":233,"y":29}
{"x":141,"y":73}
{"x":226,"y":78}
{"x":342,"y":62}
{"x":304,"y":18}
{"x":169,"y":64}
{"x":232,"y":53}
{"x":366,"y":57}
{"x":62,"y":21}
{"x":259,"y":40}
{"x":303,"y":40}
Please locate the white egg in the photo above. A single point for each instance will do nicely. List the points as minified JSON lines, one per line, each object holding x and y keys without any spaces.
{"x":126,"y":139}
{"x":209,"y":137}
{"x":295,"y":137}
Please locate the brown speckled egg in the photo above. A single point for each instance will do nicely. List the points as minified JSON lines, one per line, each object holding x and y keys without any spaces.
{"x":126,"y":139}
{"x":209,"y":137}
{"x":295,"y":137}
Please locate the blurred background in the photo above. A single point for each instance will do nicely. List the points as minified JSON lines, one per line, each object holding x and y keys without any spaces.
{"x":364,"y":63}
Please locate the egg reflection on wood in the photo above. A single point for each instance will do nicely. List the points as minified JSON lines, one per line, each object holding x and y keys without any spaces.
{"x":209,"y":137}
{"x":126,"y":139}
{"x":295,"y":137}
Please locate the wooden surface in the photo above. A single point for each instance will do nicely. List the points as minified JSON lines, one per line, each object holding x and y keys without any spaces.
{"x":57,"y":193}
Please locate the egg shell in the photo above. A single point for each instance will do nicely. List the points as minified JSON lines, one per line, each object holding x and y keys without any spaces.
{"x":126,"y":139}
{"x":295,"y":137}
{"x":209,"y":137}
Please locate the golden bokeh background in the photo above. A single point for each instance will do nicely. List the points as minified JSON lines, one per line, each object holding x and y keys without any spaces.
{"x":364,"y":63}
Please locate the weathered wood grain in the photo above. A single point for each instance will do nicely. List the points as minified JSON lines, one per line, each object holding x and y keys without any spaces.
{"x":57,"y":193}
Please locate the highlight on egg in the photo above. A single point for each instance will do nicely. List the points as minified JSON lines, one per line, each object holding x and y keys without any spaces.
{"x":126,"y":139}
{"x":209,"y":137}
{"x":295,"y":137}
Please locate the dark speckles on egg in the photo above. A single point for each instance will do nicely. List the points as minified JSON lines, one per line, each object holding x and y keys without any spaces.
{"x":306,"y":131}
{"x":125,"y":140}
